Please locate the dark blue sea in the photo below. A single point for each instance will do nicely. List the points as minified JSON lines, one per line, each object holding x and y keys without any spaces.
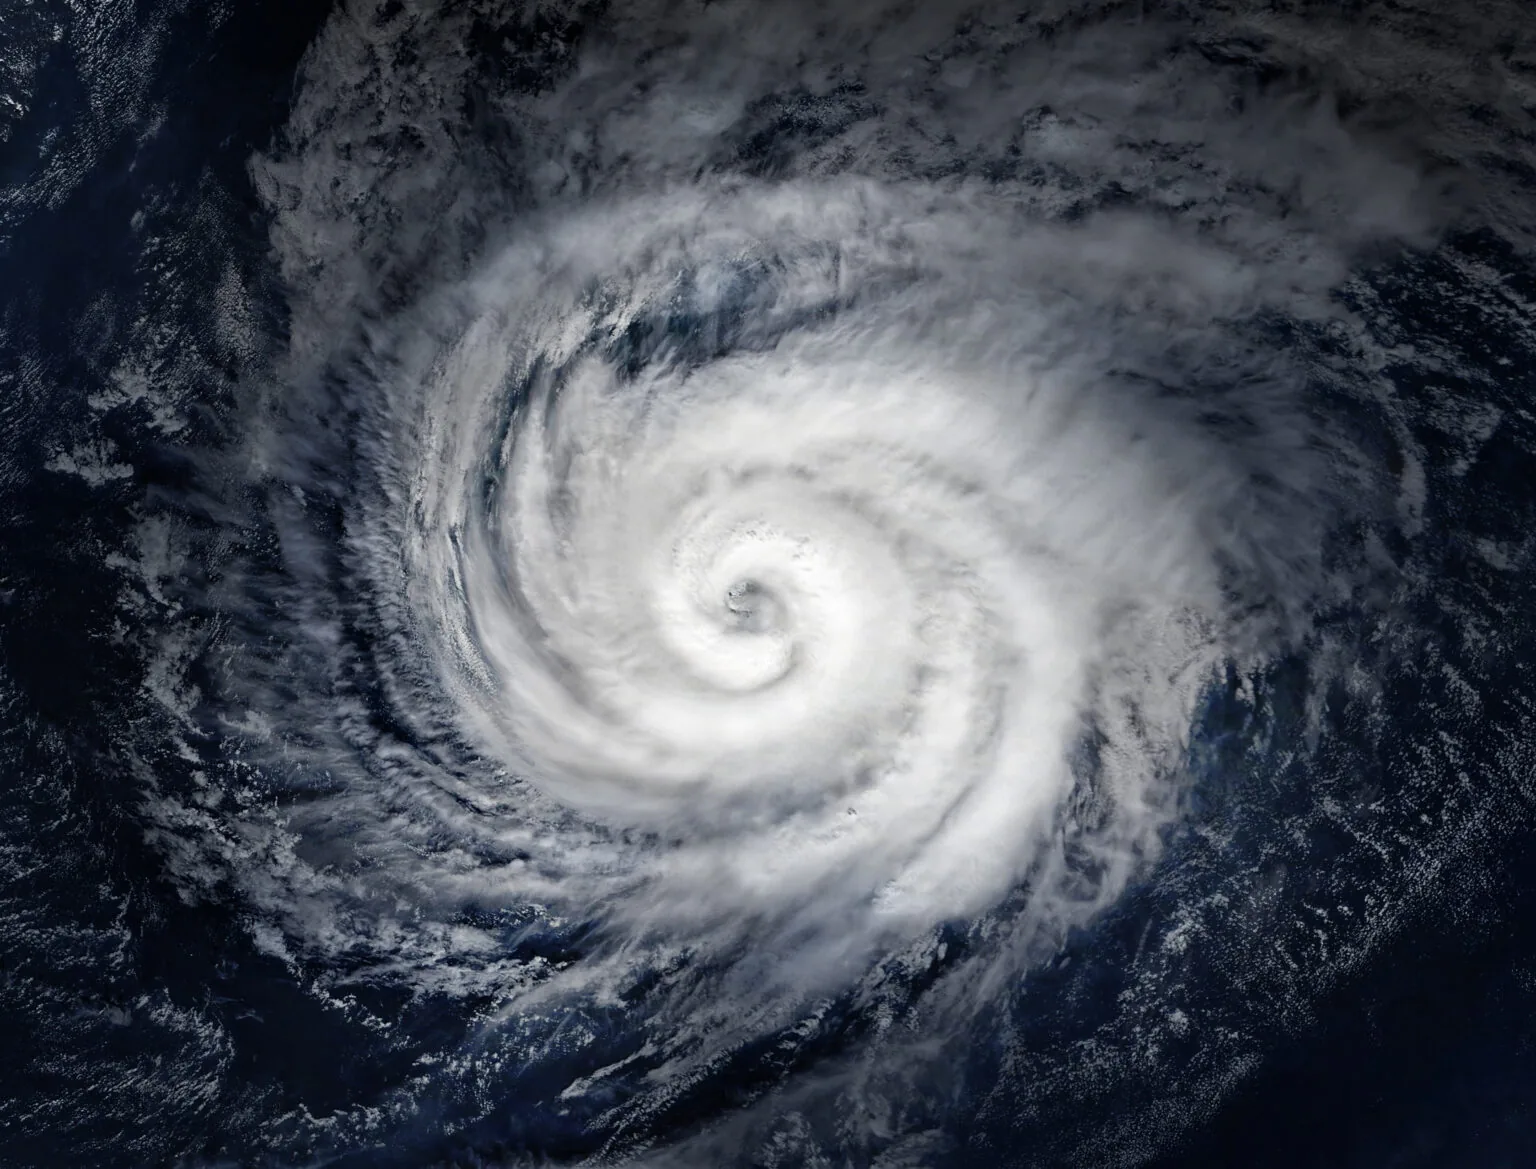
{"x":767,"y":584}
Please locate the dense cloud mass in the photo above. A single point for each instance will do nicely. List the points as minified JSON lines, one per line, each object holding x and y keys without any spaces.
{"x":835,"y":584}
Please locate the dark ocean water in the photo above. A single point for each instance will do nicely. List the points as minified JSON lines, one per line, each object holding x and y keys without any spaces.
{"x":1329,"y":961}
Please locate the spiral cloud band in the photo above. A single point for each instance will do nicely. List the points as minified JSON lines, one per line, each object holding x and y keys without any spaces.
{"x":830,"y":608}
{"x":742,"y":565}
{"x":800,"y":578}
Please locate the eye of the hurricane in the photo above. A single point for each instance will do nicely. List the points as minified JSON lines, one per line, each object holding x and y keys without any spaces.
{"x":739,"y":633}
{"x":752,"y":608}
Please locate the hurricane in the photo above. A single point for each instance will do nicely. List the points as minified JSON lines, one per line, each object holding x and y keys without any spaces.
{"x":810,"y":584}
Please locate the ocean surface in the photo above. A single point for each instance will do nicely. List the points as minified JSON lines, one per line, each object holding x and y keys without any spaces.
{"x":767,"y":584}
